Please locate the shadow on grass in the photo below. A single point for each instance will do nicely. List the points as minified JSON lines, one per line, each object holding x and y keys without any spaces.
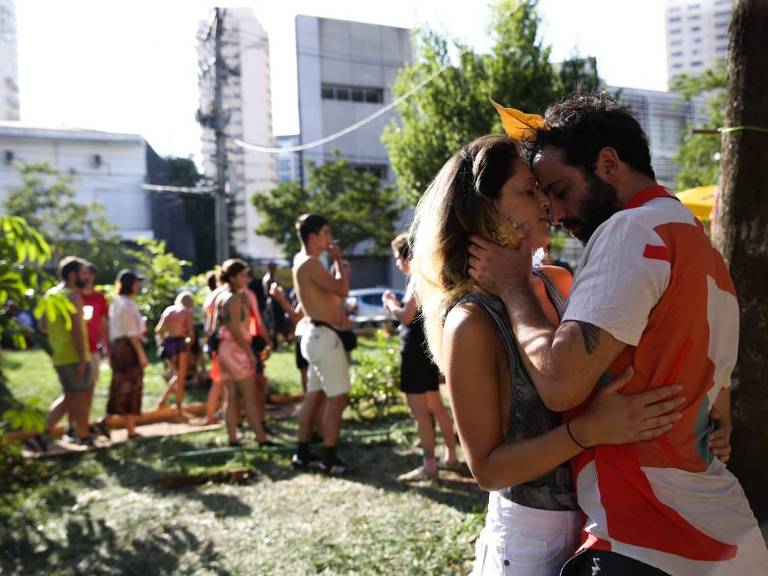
{"x":378,"y":461}
{"x":92,"y":547}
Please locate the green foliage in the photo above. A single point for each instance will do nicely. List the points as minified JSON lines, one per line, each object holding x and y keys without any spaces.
{"x":46,"y":200}
{"x":375,"y":380}
{"x":163,"y":279}
{"x":23,"y":286}
{"x":453,"y":109}
{"x":358,"y":206}
{"x":182,"y":172}
{"x":698,"y":154}
{"x":23,"y":282}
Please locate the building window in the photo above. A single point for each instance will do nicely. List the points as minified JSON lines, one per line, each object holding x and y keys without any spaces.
{"x":726,"y":13}
{"x":676,"y":43}
{"x":694,"y":17}
{"x":697,"y":63}
{"x":697,"y":40}
{"x":721,"y":25}
{"x":693,"y":6}
{"x":677,"y":54}
{"x":695,"y":28}
{"x":721,"y":37}
{"x":675,"y":31}
{"x":677,"y":66}
{"x":674,"y":19}
{"x":721,"y":49}
{"x":354,"y":93}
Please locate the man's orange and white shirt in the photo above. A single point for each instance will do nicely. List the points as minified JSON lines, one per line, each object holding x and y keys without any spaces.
{"x":651,"y":278}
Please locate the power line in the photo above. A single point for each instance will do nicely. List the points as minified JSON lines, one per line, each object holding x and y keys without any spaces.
{"x":347,"y":130}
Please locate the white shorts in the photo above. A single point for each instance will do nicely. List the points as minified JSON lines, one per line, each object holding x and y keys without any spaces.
{"x":522,"y":541}
{"x":328,"y":366}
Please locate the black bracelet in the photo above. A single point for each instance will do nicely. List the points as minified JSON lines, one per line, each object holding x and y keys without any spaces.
{"x":568,"y":428}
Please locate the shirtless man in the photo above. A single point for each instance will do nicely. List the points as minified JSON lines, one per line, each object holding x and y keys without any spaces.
{"x":176,"y":328}
{"x":319,"y":291}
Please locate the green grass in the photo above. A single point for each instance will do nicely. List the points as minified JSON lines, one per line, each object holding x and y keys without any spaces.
{"x":113,"y":512}
{"x":31,"y":377}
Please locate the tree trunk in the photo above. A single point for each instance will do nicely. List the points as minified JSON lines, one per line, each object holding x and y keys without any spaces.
{"x":740,"y":234}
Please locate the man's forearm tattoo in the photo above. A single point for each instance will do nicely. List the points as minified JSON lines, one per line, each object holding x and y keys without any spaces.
{"x":591,"y":334}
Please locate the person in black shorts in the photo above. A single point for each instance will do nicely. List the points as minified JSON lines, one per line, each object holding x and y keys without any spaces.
{"x":419,"y":377}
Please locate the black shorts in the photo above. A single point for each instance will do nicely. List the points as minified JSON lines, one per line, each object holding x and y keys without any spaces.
{"x":417,"y":373}
{"x":301,"y":362}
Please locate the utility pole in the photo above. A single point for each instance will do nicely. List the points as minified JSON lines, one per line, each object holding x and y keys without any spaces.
{"x":220,"y":200}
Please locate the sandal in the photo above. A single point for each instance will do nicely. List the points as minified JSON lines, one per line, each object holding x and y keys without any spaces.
{"x":417,"y":475}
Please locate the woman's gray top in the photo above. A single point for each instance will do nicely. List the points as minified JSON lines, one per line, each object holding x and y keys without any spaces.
{"x":529,"y":417}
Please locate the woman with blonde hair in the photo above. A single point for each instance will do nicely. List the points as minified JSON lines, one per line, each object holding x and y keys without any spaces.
{"x":516,"y":448}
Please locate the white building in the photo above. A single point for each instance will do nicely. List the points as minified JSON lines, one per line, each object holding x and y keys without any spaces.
{"x":344,"y":71}
{"x":697,"y":35}
{"x":9,"y":71}
{"x":109,"y":168}
{"x":248,"y":105}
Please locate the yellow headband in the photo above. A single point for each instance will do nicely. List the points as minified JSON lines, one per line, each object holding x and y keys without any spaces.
{"x":519,"y":125}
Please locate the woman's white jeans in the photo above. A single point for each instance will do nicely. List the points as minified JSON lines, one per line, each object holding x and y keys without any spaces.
{"x":522,"y":541}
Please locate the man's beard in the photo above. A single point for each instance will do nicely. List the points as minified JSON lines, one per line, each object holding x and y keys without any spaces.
{"x":599,"y":203}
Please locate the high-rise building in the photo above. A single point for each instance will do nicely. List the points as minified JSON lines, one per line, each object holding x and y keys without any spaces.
{"x":345,"y":70}
{"x":697,"y":35}
{"x":247,"y":103}
{"x":9,"y":70}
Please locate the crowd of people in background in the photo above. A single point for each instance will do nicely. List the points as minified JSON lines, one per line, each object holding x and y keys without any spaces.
{"x":243,"y":318}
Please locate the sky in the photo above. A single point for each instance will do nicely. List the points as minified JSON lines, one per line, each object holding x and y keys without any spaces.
{"x":132,"y":66}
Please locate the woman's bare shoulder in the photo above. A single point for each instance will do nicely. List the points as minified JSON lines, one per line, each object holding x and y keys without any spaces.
{"x":469,"y":322}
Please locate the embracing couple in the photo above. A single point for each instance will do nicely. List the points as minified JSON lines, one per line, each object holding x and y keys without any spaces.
{"x":595,"y":409}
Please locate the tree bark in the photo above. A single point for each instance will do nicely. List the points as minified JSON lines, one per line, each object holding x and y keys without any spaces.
{"x":740,"y":234}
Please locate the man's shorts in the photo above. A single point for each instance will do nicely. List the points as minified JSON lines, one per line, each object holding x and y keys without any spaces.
{"x":69,"y":381}
{"x":328,"y":365}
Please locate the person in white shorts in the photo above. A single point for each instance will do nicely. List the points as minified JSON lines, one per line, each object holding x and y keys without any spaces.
{"x":319,"y":291}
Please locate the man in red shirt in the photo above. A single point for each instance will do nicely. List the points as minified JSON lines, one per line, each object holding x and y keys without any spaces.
{"x":96,"y":313}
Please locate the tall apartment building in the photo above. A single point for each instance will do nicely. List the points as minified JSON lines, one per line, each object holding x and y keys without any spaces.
{"x":697,"y":35}
{"x":9,"y":71}
{"x":344,"y":72}
{"x":247,"y":102}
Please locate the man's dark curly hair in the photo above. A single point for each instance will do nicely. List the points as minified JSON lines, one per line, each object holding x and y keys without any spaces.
{"x":583,"y":124}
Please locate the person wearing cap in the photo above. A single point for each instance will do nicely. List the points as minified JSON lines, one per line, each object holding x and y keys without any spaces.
{"x":128,"y":358}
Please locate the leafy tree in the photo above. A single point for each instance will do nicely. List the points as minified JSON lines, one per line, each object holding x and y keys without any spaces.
{"x":23,"y":286}
{"x":163,"y":279}
{"x":453,"y":109}
{"x":182,"y":172}
{"x":46,"y":200}
{"x":360,"y":209}
{"x":699,"y":153}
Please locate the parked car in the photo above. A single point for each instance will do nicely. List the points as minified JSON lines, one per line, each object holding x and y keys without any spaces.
{"x":365,"y":308}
